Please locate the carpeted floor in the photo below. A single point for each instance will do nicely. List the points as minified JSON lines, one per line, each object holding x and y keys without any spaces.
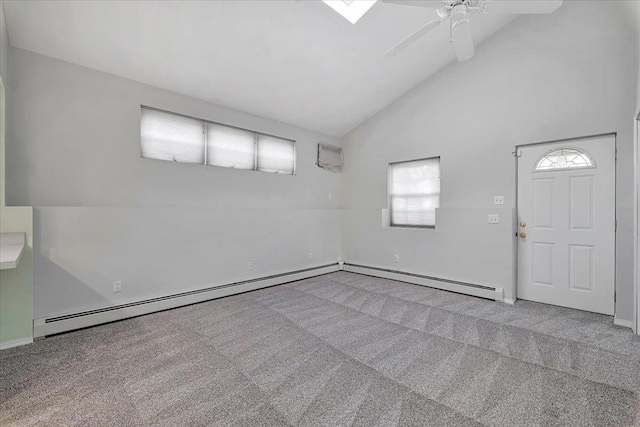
{"x":339,"y":349}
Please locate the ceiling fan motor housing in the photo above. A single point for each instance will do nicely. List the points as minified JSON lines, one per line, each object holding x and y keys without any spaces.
{"x":458,"y":12}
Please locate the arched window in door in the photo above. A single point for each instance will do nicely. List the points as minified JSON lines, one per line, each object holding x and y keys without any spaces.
{"x":563,"y":159}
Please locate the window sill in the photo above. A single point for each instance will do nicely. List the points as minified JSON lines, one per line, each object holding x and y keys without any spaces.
{"x":419,"y":227}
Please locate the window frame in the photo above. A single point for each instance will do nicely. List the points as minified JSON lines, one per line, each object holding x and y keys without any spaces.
{"x":389,"y":204}
{"x":206,"y":122}
{"x":581,"y":151}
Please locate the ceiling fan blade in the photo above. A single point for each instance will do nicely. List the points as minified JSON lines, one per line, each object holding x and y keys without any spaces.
{"x":463,"y":41}
{"x":522,"y":6}
{"x":421,"y":3}
{"x":413,"y":38}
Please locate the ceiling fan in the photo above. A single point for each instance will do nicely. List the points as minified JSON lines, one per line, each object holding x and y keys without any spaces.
{"x":458,"y":12}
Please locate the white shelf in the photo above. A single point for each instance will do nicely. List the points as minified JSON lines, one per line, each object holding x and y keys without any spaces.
{"x":11,"y":249}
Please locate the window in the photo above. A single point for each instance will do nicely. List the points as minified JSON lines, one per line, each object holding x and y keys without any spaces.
{"x":351,"y":10}
{"x":171,"y":137}
{"x":564,"y":158}
{"x":275,"y":155}
{"x":414,"y":192}
{"x":230,"y":147}
{"x":177,"y":138}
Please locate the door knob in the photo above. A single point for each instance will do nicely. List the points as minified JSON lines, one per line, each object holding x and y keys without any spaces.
{"x":523,"y":235}
{"x":523,"y":224}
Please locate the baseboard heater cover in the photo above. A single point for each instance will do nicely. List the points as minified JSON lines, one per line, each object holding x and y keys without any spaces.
{"x":54,"y":325}
{"x":481,"y":291}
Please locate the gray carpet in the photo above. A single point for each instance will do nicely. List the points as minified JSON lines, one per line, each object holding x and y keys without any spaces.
{"x":340,"y":349}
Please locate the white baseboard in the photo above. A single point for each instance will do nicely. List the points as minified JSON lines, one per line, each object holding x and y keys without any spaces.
{"x":55,"y":325}
{"x":15,"y":343}
{"x":496,"y":294}
{"x":509,"y":301}
{"x":623,"y":323}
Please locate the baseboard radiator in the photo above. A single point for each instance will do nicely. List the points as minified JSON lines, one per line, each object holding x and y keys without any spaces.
{"x":54,"y":325}
{"x":481,"y":291}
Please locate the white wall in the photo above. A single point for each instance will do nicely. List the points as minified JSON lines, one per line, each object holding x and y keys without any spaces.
{"x":104,"y":214}
{"x":16,"y":285}
{"x":81,"y":251}
{"x":636,"y":14}
{"x":447,"y":252}
{"x":541,"y":78}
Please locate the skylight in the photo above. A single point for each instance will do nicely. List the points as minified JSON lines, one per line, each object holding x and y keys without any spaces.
{"x":352,"y":10}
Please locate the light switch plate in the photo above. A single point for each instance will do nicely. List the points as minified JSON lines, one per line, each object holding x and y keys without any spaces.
{"x":494,"y":219}
{"x":498,"y":200}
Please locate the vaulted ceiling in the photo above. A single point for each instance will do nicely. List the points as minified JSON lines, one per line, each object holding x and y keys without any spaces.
{"x":297,"y":62}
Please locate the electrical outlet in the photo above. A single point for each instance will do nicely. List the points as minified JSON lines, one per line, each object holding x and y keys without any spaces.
{"x":250,"y":266}
{"x":498,"y":200}
{"x":396,"y":258}
{"x":330,"y":196}
{"x":310,"y":255}
{"x":494,"y":219}
{"x":117,"y":286}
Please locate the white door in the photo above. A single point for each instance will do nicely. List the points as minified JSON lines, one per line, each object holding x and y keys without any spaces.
{"x":566,"y":223}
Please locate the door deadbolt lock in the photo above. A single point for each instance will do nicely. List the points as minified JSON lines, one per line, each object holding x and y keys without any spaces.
{"x":523,"y":224}
{"x":523,"y":235}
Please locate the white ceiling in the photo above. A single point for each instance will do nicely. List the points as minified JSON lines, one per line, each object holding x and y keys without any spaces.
{"x":298,"y":62}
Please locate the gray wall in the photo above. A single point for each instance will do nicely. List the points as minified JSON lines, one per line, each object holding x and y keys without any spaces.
{"x":541,"y":78}
{"x":104,"y":214}
{"x":4,"y":43}
{"x":636,"y":14}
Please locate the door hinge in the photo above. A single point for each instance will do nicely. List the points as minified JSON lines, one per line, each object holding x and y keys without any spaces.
{"x":616,"y":226}
{"x":615,"y":156}
{"x":517,"y":153}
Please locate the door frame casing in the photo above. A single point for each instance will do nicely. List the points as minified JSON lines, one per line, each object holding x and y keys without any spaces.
{"x":516,"y":155}
{"x":636,"y":218}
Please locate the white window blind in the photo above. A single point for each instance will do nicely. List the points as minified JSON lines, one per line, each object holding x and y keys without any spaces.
{"x":165,"y":136}
{"x":230,"y":147}
{"x":173,"y":137}
{"x":414,"y":192}
{"x":276,"y":155}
